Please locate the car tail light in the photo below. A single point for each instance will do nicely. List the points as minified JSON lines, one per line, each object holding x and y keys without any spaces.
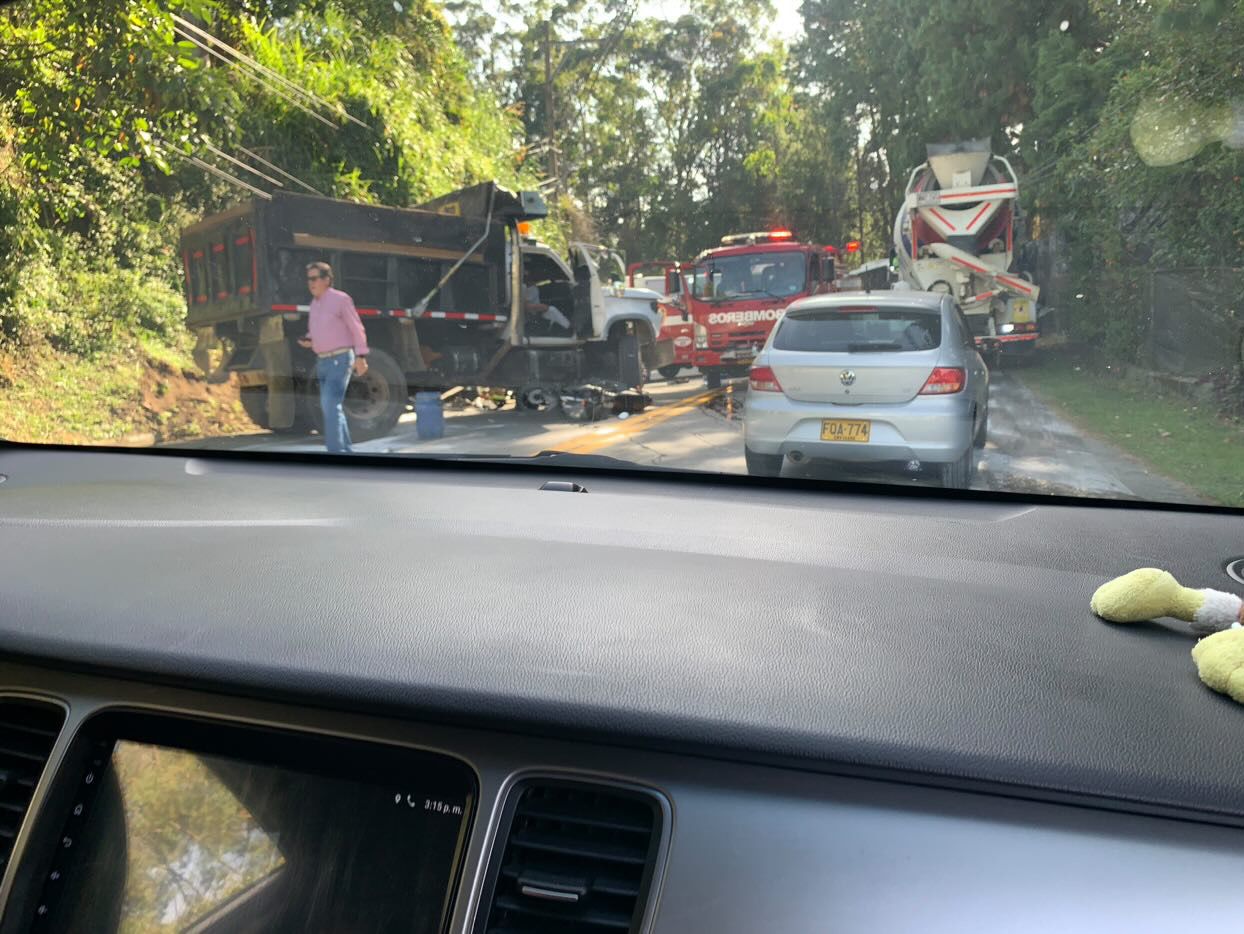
{"x":762,"y":379}
{"x":944,"y":380}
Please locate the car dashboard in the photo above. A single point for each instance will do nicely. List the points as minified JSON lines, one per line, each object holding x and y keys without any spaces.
{"x":668,"y":704}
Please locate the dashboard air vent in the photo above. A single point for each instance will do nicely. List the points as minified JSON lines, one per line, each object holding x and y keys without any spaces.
{"x":578,"y":859}
{"x":28,"y":730}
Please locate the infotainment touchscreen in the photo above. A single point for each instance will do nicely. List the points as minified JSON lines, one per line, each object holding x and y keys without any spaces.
{"x":244,"y":831}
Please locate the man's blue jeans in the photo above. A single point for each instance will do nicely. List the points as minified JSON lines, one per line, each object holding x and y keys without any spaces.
{"x":334,"y":376}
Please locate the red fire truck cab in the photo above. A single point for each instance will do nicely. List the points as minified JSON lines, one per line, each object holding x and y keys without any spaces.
{"x":735,"y":293}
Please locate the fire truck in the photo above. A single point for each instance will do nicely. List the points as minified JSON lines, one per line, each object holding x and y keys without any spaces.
{"x":735,"y":293}
{"x":677,"y":336}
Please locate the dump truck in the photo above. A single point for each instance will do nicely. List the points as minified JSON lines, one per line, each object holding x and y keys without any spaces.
{"x":442,"y":290}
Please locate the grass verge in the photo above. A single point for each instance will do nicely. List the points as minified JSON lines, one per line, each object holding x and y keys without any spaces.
{"x":147,"y":395}
{"x":1175,"y":436}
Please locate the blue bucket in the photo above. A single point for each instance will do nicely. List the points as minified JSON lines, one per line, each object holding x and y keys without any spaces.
{"x":429,"y":416}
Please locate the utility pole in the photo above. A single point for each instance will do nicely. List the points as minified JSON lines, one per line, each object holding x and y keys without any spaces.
{"x":550,"y":119}
{"x":859,"y":193}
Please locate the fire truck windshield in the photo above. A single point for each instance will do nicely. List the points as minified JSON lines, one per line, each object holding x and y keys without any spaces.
{"x":727,"y":277}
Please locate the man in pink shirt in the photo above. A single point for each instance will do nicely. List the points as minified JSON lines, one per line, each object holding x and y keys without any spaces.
{"x":336,"y":334}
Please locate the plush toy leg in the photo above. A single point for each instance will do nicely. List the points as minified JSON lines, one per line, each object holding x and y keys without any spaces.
{"x":1218,"y":611}
{"x":1220,"y":662}
{"x":1148,"y":593}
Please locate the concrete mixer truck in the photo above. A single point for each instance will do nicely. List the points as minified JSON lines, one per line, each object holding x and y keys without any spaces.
{"x":956,"y":233}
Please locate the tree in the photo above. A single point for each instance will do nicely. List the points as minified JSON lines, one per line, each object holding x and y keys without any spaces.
{"x":124,"y":128}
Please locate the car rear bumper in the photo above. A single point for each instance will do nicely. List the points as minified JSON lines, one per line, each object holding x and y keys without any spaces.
{"x":932,"y":429}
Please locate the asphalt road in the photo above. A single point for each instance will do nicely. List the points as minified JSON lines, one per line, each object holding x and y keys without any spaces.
{"x":1030,"y":448}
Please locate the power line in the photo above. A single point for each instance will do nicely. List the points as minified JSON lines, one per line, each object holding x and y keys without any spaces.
{"x":240,"y":164}
{"x":280,"y":171}
{"x":265,"y":70}
{"x":256,"y":78}
{"x":213,"y":170}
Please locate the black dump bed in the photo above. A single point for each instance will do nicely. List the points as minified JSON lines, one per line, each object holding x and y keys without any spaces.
{"x":251,"y":259}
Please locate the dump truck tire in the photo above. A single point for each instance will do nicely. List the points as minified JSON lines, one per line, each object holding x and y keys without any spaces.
{"x":255,"y":403}
{"x":376,"y":400}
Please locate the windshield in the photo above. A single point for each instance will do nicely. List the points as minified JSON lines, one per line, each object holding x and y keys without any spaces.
{"x":354,"y":227}
{"x":776,"y":275}
{"x":860,"y":329}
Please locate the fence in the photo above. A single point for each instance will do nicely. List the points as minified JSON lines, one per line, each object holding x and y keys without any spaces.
{"x":1196,"y":321}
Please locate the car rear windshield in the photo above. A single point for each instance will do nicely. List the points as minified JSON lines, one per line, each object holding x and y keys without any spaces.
{"x":861,"y":330}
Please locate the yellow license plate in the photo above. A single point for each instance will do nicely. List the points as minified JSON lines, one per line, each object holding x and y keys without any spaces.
{"x":845,"y":429}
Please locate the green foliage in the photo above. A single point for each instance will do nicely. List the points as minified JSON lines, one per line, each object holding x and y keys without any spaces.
{"x":1088,"y":142}
{"x":57,"y":295}
{"x":104,"y":117}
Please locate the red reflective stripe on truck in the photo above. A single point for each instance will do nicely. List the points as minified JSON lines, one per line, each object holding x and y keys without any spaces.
{"x":244,"y":290}
{"x":198,"y":254}
{"x":462,"y":316}
{"x":291,"y":307}
{"x":964,"y":262}
{"x":242,"y":241}
{"x":1007,"y":338}
{"x":938,"y":214}
{"x":1015,"y":284}
{"x":977,"y":195}
{"x":218,"y":247}
{"x":368,"y":312}
{"x":979,"y":215}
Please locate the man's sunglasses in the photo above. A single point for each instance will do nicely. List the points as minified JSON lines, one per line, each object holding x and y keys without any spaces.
{"x":313,"y":278}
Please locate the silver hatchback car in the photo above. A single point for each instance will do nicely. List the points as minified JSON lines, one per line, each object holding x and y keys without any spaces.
{"x":869,"y":377}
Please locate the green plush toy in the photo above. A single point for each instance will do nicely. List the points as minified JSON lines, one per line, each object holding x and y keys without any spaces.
{"x":1150,"y":593}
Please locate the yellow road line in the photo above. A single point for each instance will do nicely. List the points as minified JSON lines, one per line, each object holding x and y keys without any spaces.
{"x":635,"y":424}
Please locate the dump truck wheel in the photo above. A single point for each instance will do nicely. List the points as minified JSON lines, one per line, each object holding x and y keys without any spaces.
{"x":376,"y":400}
{"x":255,"y":403}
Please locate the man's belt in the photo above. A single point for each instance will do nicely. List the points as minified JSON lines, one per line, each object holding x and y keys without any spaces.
{"x":334,"y":353}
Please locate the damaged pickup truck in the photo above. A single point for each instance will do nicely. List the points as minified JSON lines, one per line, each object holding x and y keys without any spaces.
{"x":452,"y":292}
